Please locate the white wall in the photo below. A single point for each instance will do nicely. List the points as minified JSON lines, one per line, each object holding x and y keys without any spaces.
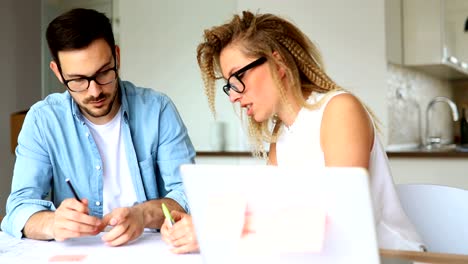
{"x":20,"y":74}
{"x":158,"y":42}
{"x":159,"y":39}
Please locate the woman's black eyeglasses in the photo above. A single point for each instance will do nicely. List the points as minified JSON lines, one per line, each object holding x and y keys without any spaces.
{"x":234,"y":82}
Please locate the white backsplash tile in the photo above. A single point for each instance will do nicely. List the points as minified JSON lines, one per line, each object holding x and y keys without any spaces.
{"x":408,"y":93}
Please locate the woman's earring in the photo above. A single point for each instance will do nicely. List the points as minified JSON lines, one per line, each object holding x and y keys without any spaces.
{"x":275,"y":119}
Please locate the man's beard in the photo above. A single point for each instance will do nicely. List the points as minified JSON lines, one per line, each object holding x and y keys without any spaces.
{"x":99,"y":112}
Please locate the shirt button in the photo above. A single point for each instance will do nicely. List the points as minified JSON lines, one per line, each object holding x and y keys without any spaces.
{"x":87,"y":134}
{"x":98,"y":167}
{"x":98,"y":203}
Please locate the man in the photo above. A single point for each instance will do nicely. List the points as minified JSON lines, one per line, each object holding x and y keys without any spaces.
{"x":121,"y":146}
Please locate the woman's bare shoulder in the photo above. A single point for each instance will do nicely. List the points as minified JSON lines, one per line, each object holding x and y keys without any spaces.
{"x":346,"y":132}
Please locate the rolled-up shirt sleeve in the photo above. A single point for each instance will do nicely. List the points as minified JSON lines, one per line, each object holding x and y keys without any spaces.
{"x":175,"y":149}
{"x":31,"y":178}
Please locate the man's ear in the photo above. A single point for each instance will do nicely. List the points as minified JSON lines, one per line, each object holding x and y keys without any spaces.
{"x":54,"y":67}
{"x":279,"y":66}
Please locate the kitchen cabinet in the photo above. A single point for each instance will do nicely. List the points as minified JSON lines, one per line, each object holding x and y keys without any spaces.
{"x":428,"y":35}
{"x":456,"y":29}
{"x":448,"y":171}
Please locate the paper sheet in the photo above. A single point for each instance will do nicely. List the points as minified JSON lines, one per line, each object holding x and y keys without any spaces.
{"x":88,"y":250}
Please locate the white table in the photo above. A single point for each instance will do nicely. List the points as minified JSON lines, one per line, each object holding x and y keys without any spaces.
{"x":149,"y":247}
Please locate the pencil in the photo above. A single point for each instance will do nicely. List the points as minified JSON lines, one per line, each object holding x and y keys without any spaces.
{"x":72,"y":189}
{"x":167,"y":215}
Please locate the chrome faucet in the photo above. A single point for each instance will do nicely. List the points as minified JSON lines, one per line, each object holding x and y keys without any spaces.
{"x":431,"y":140}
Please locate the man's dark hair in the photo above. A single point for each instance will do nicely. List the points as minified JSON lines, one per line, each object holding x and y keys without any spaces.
{"x":76,"y":29}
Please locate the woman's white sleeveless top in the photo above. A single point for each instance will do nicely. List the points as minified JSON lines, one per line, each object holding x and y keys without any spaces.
{"x":299,"y":145}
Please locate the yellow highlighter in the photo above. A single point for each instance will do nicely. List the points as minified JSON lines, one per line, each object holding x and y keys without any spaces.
{"x":167,"y":214}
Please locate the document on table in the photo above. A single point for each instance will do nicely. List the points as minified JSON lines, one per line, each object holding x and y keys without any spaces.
{"x":88,"y":250}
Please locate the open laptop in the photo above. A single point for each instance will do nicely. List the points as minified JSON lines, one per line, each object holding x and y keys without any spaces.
{"x":301,"y":216}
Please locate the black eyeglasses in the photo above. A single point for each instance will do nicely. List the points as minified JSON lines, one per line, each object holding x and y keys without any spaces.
{"x":81,"y":84}
{"x":234,"y":82}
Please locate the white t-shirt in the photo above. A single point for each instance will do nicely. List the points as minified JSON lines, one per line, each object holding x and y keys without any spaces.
{"x":299,"y":144}
{"x":118,"y":188}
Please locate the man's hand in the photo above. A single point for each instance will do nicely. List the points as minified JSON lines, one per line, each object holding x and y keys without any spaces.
{"x":127,"y":225}
{"x":72,"y":219}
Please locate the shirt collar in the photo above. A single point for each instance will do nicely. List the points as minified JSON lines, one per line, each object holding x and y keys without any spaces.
{"x":124,"y":100}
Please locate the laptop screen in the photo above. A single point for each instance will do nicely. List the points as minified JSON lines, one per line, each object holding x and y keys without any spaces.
{"x":281,"y":215}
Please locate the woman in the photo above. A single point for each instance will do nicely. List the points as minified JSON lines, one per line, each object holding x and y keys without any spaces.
{"x":276,"y":74}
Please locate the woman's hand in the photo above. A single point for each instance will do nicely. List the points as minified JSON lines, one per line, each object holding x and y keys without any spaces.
{"x":181,"y":236}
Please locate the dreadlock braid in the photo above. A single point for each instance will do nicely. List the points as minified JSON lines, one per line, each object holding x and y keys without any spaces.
{"x":207,"y":54}
{"x":308,"y":65}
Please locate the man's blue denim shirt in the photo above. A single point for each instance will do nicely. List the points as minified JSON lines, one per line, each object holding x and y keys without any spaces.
{"x":55,"y":144}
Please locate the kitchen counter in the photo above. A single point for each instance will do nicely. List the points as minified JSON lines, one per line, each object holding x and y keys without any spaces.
{"x":391,"y":154}
{"x":427,"y":154}
{"x":224,"y":154}
{"x":433,"y":151}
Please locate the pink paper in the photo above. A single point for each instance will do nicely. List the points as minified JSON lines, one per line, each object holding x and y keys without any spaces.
{"x":67,"y":258}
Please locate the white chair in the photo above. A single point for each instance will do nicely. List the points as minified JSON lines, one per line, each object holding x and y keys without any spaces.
{"x":440,"y":215}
